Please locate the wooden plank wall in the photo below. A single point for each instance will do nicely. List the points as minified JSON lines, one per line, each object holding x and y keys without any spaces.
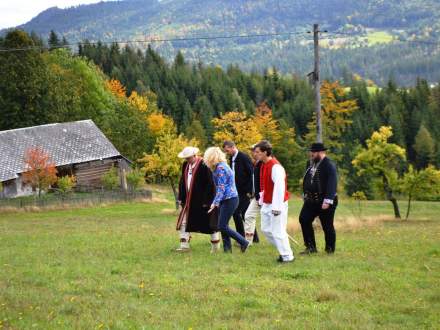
{"x":89,"y":175}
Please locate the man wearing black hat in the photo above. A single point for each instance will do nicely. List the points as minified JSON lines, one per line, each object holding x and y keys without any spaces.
{"x":320,"y":199}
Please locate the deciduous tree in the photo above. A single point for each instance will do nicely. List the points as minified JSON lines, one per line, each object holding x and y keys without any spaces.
{"x":40,"y":171}
{"x":383,"y":160}
{"x":421,"y":184}
{"x":163,"y":164}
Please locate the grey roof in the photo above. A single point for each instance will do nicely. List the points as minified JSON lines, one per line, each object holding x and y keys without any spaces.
{"x":66,"y":143}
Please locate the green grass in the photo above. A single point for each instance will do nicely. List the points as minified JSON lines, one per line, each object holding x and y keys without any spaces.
{"x":378,"y":37}
{"x":113,"y":267}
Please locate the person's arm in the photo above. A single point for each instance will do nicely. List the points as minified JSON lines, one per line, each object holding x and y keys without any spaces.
{"x":181,"y":197}
{"x":220,"y":174}
{"x":330,"y":189}
{"x":209,"y":185}
{"x":279,"y":190}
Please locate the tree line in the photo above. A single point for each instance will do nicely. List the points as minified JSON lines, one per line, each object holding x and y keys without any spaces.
{"x":142,"y":102}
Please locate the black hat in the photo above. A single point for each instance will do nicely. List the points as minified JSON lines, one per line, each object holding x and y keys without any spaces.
{"x":317,"y":147}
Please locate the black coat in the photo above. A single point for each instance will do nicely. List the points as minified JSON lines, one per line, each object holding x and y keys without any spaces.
{"x":257,"y":188}
{"x":243,"y":170}
{"x":196,"y":203}
{"x":324,"y":181}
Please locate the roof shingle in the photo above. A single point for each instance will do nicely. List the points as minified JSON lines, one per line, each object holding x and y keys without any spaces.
{"x":66,"y":143}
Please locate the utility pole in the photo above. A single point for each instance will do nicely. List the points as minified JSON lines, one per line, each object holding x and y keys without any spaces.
{"x":317,"y":84}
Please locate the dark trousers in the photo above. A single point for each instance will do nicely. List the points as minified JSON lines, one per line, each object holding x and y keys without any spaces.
{"x":308,"y":214}
{"x":227,"y":208}
{"x":239,"y":213}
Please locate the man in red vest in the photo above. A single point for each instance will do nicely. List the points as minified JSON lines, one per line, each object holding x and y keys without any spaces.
{"x":273,"y":201}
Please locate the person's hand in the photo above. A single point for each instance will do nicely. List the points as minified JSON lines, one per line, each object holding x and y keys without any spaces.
{"x":325,"y":206}
{"x":276,"y":213}
{"x":211,"y":208}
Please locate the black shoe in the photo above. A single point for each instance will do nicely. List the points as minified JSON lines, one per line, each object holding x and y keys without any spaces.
{"x":308,"y":251}
{"x":243,"y":248}
{"x":228,"y":250}
{"x":330,"y":251}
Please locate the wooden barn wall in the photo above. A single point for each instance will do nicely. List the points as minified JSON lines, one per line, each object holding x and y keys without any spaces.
{"x":89,"y":174}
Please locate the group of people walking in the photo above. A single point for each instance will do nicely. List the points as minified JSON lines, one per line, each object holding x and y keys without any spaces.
{"x":213,"y":189}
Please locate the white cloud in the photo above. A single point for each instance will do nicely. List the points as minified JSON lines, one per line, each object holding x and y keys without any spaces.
{"x":16,"y":12}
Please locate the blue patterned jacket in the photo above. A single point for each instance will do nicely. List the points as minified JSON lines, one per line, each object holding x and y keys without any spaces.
{"x":224,"y":182}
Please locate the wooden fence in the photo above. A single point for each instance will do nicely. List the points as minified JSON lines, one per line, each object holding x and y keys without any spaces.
{"x":76,"y":199}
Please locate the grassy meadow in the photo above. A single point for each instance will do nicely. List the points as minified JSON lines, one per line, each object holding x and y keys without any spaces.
{"x":113,"y":267}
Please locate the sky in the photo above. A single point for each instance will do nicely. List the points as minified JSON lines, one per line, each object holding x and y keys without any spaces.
{"x":16,"y":12}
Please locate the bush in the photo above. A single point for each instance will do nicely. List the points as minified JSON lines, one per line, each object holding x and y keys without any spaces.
{"x":110,"y":180}
{"x":66,"y":184}
{"x":135,"y":179}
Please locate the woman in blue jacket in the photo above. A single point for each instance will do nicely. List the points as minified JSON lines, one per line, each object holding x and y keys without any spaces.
{"x":226,"y":197}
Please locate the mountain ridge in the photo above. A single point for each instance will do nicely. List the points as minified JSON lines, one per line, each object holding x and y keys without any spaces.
{"x":153,"y":19}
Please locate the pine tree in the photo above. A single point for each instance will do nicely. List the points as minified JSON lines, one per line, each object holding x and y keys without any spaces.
{"x":424,"y":146}
{"x":54,"y":41}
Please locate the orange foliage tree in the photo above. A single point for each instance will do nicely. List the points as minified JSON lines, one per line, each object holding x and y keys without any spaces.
{"x":40,"y":171}
{"x":266,"y":124}
{"x":116,"y":88}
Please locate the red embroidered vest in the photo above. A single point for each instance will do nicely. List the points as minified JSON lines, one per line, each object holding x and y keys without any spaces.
{"x":267,"y":184}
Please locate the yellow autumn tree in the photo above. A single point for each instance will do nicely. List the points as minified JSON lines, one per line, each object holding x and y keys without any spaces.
{"x":245,"y":131}
{"x":139,"y":102}
{"x":383,"y":160}
{"x":236,"y":126}
{"x":335,"y":116}
{"x":160,"y":124}
{"x":163,"y":164}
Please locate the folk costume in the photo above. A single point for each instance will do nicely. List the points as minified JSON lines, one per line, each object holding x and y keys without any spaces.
{"x":319,"y":187}
{"x":274,"y":197}
{"x":196,"y":193}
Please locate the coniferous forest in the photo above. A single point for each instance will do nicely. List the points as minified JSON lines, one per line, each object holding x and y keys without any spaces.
{"x":132,"y":95}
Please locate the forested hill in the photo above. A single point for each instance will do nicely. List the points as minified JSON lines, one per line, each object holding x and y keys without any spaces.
{"x":377,"y":41}
{"x":130,"y":17}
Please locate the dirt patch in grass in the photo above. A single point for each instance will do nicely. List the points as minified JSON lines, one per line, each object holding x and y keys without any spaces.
{"x":326,"y":295}
{"x":346,"y":224}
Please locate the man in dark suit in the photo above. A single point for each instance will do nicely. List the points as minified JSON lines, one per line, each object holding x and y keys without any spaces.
{"x":320,"y":199}
{"x":242,"y":167}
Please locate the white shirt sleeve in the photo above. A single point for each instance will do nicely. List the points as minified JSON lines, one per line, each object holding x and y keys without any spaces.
{"x":279,"y":189}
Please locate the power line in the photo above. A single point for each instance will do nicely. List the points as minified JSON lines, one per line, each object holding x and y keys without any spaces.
{"x":155,"y":40}
{"x":199,"y":38}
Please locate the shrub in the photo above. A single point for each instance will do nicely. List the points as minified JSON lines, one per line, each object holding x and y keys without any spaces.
{"x":66,"y":184}
{"x":110,"y":180}
{"x":135,"y":179}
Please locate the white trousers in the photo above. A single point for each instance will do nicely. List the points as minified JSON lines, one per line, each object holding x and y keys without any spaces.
{"x":186,"y":236}
{"x":250,"y":220}
{"x":275,"y":230}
